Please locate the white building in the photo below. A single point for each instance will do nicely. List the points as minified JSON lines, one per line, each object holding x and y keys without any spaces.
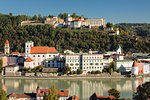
{"x":117,"y":31}
{"x":124,"y":65}
{"x":146,"y":68}
{"x":86,"y":62}
{"x":135,"y":68}
{"x":95,"y":22}
{"x":38,"y":54}
{"x":57,"y":62}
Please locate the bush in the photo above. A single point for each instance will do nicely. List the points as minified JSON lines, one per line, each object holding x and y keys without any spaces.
{"x":92,"y":72}
{"x":118,"y":70}
{"x":97,"y":72}
{"x":66,"y":69}
{"x":74,"y":72}
{"x":37,"y":69}
{"x":79,"y":71}
{"x":71,"y":72}
{"x":114,"y":92}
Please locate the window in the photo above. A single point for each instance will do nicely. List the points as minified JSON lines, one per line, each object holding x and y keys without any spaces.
{"x":43,"y":56}
{"x":33,"y":55}
{"x":38,"y":55}
{"x":49,"y":55}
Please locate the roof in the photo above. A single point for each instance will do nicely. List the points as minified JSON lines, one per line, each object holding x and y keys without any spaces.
{"x":43,"y":49}
{"x":29,"y":59}
{"x":117,"y":29}
{"x":6,"y":42}
{"x":105,"y":97}
{"x":135,"y":64}
{"x":16,"y":53}
{"x":73,"y":98}
{"x":63,"y":93}
{"x":95,"y":97}
{"x":23,"y":95}
{"x":29,"y":41}
{"x":60,"y":93}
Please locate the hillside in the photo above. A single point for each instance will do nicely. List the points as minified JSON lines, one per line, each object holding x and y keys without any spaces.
{"x":65,"y":38}
{"x":139,"y":29}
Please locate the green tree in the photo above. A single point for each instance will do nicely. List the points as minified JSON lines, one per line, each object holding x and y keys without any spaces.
{"x":52,"y":95}
{"x":2,"y":94}
{"x":143,"y":92}
{"x":66,"y":69}
{"x":112,"y":65}
{"x":109,"y":25}
{"x":39,"y":16}
{"x":34,"y":17}
{"x":1,"y":65}
{"x":79,"y":71}
{"x":97,"y":72}
{"x":37,"y":69}
{"x":74,"y":15}
{"x":114,"y":92}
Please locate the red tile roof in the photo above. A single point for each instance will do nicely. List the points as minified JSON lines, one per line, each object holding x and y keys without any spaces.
{"x":43,"y":49}
{"x":29,"y":59}
{"x":23,"y":95}
{"x":135,"y":64}
{"x":6,"y":42}
{"x":73,"y":98}
{"x":105,"y":97}
{"x":63,"y":93}
{"x":95,"y":97}
{"x":16,"y":53}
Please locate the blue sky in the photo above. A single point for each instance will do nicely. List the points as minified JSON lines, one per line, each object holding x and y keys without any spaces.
{"x":115,"y":11}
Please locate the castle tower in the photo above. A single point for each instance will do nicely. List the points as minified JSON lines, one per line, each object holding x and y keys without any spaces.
{"x":28,"y":46}
{"x":117,"y":31}
{"x":118,"y":50}
{"x":6,"y":48}
{"x":135,"y":68}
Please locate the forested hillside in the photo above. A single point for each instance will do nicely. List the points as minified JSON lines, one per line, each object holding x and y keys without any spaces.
{"x":139,"y":29}
{"x":75,"y":39}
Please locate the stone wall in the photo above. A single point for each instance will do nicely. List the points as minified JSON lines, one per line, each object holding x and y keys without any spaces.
{"x":13,"y":74}
{"x":29,"y":74}
{"x":46,"y":74}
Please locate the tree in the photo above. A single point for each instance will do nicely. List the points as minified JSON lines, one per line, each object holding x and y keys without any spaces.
{"x":97,"y":72}
{"x":34,"y":17}
{"x":39,"y":16}
{"x":52,"y":95}
{"x":66,"y":69}
{"x":109,"y":25}
{"x":2,"y":94}
{"x":1,"y":65}
{"x":143,"y":92}
{"x":37,"y":69}
{"x":10,"y":14}
{"x":114,"y":92}
{"x":79,"y":71}
{"x":74,"y":15}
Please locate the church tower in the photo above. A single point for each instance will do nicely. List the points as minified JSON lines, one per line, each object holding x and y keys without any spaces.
{"x":118,"y":50}
{"x":28,"y":46}
{"x":117,"y":31}
{"x":6,"y":48}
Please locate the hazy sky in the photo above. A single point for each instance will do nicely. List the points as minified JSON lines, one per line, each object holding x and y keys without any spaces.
{"x":115,"y":11}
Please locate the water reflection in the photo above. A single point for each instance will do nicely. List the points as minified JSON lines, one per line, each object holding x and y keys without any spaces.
{"x":83,"y":88}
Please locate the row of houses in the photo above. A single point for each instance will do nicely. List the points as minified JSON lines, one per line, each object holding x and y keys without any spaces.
{"x":49,"y":57}
{"x":61,"y":95}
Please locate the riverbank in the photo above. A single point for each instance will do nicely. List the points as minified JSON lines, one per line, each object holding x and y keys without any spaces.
{"x":76,"y":76}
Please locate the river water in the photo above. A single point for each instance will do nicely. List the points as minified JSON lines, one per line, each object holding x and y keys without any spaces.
{"x":83,"y":88}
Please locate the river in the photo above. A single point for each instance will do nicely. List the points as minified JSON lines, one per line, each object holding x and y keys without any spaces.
{"x":83,"y":88}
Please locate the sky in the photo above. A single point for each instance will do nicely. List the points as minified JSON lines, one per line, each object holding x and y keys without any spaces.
{"x":115,"y":11}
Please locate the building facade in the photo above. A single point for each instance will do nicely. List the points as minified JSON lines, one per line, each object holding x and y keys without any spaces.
{"x":39,"y":54}
{"x":95,"y":22}
{"x":86,"y":62}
